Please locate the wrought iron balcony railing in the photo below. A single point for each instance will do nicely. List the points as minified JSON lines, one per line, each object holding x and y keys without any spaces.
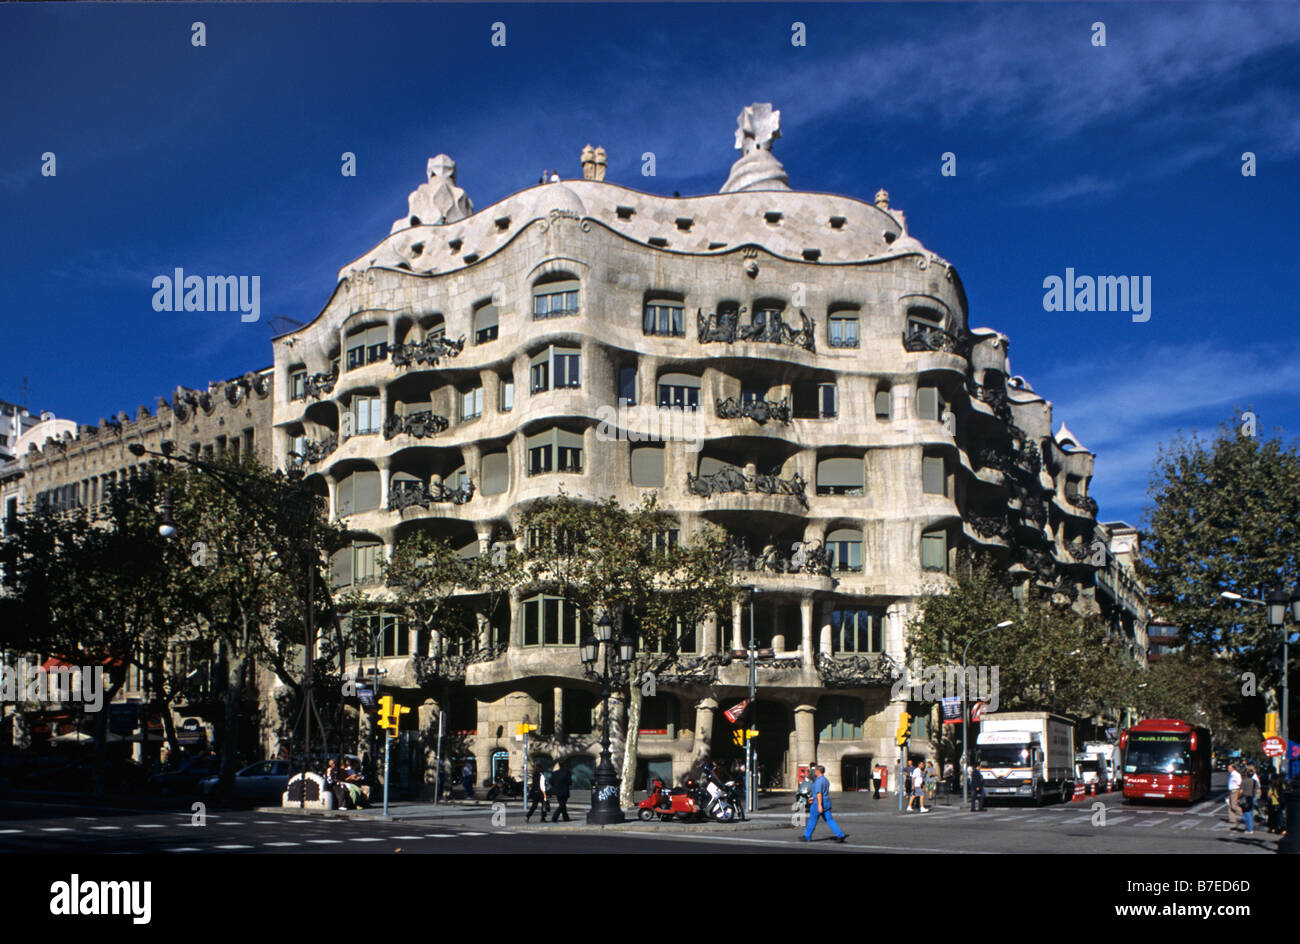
{"x":760,"y":411}
{"x":428,"y":352}
{"x":919,"y":337}
{"x":731,"y":479}
{"x":420,"y":424}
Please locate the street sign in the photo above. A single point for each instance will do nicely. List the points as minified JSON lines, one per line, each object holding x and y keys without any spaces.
{"x":977,"y":711}
{"x":734,"y":713}
{"x":1274,"y":747}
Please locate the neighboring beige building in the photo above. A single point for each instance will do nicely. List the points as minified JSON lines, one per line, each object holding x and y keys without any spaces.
{"x":856,"y":431}
{"x":61,"y":467}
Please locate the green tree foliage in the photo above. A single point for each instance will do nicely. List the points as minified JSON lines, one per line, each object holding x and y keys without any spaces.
{"x":1050,"y":659}
{"x":612,"y":560}
{"x":1224,"y":515}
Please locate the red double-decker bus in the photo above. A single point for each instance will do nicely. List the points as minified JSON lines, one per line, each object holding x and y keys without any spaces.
{"x":1166,"y":759}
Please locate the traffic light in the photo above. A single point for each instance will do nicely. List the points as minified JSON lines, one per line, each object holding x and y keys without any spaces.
{"x":1271,"y":723}
{"x":390,"y":715}
{"x":904,"y":729}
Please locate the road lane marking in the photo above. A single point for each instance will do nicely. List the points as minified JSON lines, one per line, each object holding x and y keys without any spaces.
{"x":105,"y":827}
{"x":440,"y":836}
{"x":1150,"y":822}
{"x":323,"y":841}
{"x":151,"y":825}
{"x":6,"y":831}
{"x":465,"y":834}
{"x":58,"y":829}
{"x":365,"y":838}
{"x":282,"y":844}
{"x":183,"y":849}
{"x":234,"y":847}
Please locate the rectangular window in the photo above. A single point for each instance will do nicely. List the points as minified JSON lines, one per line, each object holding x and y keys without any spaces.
{"x":844,"y":331}
{"x":647,"y":466}
{"x":532,"y":622}
{"x":679,"y":396}
{"x":248,"y":441}
{"x":814,"y":401}
{"x":627,"y":386}
{"x":568,"y":369}
{"x":933,"y":480}
{"x":550,"y":621}
{"x":366,"y":568}
{"x":471,"y":404}
{"x":857,"y":630}
{"x":540,"y":377}
{"x":570,"y":459}
{"x":298,"y":385}
{"x":844,"y":555}
{"x":667,"y":320}
{"x":539,"y":459}
{"x":395,"y":639}
{"x":507,"y":402}
{"x":366,"y":417}
{"x":882,"y":404}
{"x":555,"y":300}
{"x":368,"y":346}
{"x":485,"y":324}
{"x":934,"y":551}
{"x":928,"y":404}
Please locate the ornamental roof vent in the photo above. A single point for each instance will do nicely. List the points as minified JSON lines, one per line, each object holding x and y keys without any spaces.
{"x":757,"y":126}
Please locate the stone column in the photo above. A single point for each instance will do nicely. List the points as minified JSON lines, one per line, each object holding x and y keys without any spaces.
{"x":557,"y":702}
{"x":709,"y":637}
{"x":705,"y":709}
{"x":806,"y":649}
{"x":428,"y":719}
{"x":385,"y":465}
{"x":805,"y":734}
{"x":737,"y":618}
{"x":824,"y":630}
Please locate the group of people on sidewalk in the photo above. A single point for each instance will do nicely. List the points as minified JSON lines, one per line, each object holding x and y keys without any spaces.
{"x":348,"y":784}
{"x":1247,"y":793}
{"x":548,"y":786}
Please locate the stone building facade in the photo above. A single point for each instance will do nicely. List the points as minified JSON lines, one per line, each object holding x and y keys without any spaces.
{"x":794,"y":367}
{"x":63,"y":466}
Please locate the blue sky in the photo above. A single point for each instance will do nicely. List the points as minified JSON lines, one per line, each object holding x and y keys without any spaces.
{"x":225,"y":160}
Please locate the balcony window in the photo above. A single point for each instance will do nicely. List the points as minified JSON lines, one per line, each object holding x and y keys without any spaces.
{"x":551,"y":621}
{"x":934,"y":551}
{"x":471,"y":404}
{"x":883,"y":404}
{"x":358,"y":563}
{"x":934,"y":481}
{"x":506,"y":403}
{"x":555,"y":299}
{"x":367,"y":346}
{"x":686,"y":642}
{"x":554,"y":450}
{"x":844,"y":330}
{"x":844,"y":550}
{"x":366,"y":415}
{"x":556,"y":368}
{"x":298,"y":385}
{"x":665,"y":319}
{"x":840,"y":476}
{"x":856,"y":630}
{"x":358,"y":492}
{"x":485,"y":324}
{"x":680,"y":391}
{"x":814,"y":401}
{"x":661,"y":540}
{"x":923,"y":321}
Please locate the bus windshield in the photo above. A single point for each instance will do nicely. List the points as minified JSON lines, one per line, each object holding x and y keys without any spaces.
{"x":1158,"y":754}
{"x":1005,"y":755}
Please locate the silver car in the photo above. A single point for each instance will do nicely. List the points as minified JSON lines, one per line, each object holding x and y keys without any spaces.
{"x":264,"y":780}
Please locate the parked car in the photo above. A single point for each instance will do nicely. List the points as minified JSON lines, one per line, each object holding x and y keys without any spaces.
{"x":264,"y":780}
{"x":120,"y":776}
{"x":187,"y":776}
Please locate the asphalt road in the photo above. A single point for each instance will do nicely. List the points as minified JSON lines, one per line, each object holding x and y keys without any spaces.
{"x":1099,"y":825}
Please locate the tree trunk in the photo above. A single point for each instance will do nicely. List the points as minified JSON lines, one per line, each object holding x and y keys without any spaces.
{"x":100,"y":759}
{"x":234,"y":695}
{"x":626,"y":789}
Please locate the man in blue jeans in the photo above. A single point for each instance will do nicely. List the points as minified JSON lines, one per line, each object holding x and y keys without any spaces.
{"x":821,"y":807}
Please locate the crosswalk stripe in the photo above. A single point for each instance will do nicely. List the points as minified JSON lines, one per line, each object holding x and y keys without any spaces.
{"x":183,"y":849}
{"x":322,"y":841}
{"x":10,"y":830}
{"x":148,"y":825}
{"x":105,"y":827}
{"x":367,"y":839}
{"x":56,"y":829}
{"x":1150,"y":822}
{"x":282,"y":844}
{"x":408,"y":837}
{"x":474,"y":834}
{"x":1079,"y":819}
{"x":439,"y":835}
{"x":234,"y":847}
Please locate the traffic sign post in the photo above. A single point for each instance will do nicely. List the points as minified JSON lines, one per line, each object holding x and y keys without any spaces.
{"x":390,"y":718}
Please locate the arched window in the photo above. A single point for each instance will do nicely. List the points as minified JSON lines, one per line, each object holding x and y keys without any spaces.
{"x":844,"y":549}
{"x":856,"y":630}
{"x":842,"y":329}
{"x":555,"y":299}
{"x":367,"y":345}
{"x":839,"y":718}
{"x":665,"y":318}
{"x":648,"y":465}
{"x":934,"y":551}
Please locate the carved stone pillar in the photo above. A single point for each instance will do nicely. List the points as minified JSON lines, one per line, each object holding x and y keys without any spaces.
{"x":737,"y":617}
{"x":806,"y":609}
{"x":805,"y":734}
{"x":428,"y":720}
{"x":705,"y":709}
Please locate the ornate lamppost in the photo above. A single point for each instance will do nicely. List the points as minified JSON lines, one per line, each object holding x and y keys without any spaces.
{"x":605,"y":807}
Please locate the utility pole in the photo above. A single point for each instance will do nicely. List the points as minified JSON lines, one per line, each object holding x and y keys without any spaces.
{"x":753,"y":689}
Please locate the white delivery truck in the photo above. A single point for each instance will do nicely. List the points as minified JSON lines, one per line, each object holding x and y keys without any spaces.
{"x":1026,"y":755}
{"x":1098,"y":763}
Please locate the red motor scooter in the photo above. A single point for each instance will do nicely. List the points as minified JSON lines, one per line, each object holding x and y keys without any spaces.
{"x":668,"y":802}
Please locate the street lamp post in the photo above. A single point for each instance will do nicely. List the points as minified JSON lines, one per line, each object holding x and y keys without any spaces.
{"x":1277,"y":604}
{"x":605,"y":808}
{"x":753,"y":691}
{"x":965,"y":708}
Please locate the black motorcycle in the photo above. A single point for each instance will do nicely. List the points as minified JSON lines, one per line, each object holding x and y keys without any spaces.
{"x":507,"y":788}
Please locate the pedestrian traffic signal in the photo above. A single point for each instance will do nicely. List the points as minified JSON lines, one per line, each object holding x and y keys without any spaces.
{"x":904,"y":729}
